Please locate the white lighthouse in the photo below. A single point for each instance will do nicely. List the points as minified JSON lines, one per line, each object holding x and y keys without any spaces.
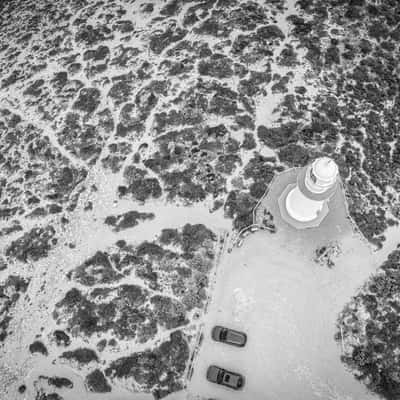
{"x":305,"y":204}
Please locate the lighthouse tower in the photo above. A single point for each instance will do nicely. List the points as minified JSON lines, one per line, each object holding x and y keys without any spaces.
{"x":304,"y":204}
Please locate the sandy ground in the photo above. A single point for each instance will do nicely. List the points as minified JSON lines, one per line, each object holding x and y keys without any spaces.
{"x":46,"y":292}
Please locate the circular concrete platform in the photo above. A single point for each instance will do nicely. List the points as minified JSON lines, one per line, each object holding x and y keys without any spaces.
{"x":294,"y":222}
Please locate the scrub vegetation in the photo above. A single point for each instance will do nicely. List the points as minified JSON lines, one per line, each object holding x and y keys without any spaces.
{"x":369,"y":327}
{"x":172,"y":103}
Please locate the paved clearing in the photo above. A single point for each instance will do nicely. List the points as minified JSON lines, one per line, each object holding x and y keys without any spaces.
{"x":272,"y":289}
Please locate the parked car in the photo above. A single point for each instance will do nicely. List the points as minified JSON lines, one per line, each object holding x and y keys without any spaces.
{"x":229,"y":336}
{"x":221,"y":376}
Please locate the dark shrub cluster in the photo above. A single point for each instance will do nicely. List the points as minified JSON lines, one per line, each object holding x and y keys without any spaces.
{"x":369,"y":324}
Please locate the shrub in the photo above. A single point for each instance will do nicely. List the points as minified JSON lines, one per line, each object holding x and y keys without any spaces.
{"x":82,"y":355}
{"x":38,"y":347}
{"x":97,"y":382}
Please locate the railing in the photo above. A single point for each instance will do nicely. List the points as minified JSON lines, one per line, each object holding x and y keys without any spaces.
{"x":200,"y":333}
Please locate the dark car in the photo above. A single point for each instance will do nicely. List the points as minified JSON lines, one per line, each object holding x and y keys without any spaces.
{"x":226,"y":335}
{"x":223,"y":377}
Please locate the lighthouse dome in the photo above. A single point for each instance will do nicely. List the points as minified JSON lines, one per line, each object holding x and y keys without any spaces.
{"x":325,"y":169}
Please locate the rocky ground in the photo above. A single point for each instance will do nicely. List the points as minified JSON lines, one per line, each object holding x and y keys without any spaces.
{"x":111,"y":112}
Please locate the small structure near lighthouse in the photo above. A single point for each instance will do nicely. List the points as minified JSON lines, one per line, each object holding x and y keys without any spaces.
{"x":304,"y":204}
